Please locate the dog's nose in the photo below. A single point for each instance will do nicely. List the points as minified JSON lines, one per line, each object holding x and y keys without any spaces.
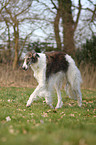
{"x":24,"y":68}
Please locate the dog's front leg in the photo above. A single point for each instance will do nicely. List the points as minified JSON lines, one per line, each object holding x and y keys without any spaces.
{"x":34,"y":95}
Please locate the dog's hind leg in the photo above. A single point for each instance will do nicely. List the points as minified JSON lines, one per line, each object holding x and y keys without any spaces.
{"x":79,"y":96}
{"x":70,"y":92}
{"x":48,"y":99}
{"x":67,"y":89}
{"x":59,"y":103}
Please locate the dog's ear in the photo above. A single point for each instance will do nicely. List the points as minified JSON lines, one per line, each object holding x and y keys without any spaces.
{"x":35,"y":54}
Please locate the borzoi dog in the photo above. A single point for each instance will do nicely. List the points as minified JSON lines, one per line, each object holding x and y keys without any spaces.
{"x":50,"y":69}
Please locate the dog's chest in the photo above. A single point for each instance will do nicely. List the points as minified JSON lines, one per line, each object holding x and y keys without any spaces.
{"x":39,"y":74}
{"x":40,"y":69}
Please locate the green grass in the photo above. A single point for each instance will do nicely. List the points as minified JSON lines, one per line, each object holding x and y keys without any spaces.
{"x":40,"y":125}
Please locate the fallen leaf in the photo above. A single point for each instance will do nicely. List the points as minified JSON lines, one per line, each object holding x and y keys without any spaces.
{"x":3,"y":139}
{"x":32,"y":114}
{"x":70,"y":104}
{"x":90,"y":101}
{"x":8,"y":100}
{"x":48,"y":111}
{"x":27,"y":121}
{"x":8,"y":118}
{"x":41,"y":121}
{"x":50,"y":120}
{"x":34,"y":122}
{"x":38,"y":124}
{"x":84,"y":101}
{"x":24,"y":131}
{"x":63,"y":115}
{"x":72,"y":115}
{"x":11,"y":130}
{"x":44,"y":114}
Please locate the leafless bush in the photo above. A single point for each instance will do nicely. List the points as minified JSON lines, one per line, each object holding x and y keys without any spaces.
{"x":17,"y":77}
{"x":21,"y":78}
{"x":88,"y":73}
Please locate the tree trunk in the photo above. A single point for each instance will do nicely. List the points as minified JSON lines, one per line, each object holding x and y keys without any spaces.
{"x":9,"y":43}
{"x":16,"y":54}
{"x":16,"y":36}
{"x":9,"y":39}
{"x":68,"y":38}
{"x":56,"y":29}
{"x":68,"y":27}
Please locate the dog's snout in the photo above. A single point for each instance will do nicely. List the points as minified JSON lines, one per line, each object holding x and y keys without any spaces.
{"x":24,"y":68}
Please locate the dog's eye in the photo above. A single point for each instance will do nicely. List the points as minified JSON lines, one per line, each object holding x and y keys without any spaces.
{"x":28,"y":59}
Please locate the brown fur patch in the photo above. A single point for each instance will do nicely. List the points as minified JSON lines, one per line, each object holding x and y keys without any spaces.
{"x":56,"y":62}
{"x":32,"y":57}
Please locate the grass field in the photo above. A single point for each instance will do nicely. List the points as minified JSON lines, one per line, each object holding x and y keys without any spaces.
{"x":40,"y":125}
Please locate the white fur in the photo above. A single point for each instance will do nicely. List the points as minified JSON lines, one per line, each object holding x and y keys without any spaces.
{"x":25,"y":65}
{"x":45,"y":88}
{"x":73,"y":81}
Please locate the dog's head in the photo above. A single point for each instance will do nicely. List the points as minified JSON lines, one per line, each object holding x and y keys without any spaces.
{"x":29,"y":59}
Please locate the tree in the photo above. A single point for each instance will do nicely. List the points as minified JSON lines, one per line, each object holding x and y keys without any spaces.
{"x":21,"y":18}
{"x":16,"y":15}
{"x":64,"y":11}
{"x":13,"y":13}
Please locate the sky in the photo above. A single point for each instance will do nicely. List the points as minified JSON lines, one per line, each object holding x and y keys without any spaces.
{"x":38,"y":34}
{"x":80,"y":34}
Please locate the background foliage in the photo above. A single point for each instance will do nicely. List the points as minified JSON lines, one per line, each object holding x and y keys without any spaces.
{"x":88,"y":52}
{"x":62,"y":24}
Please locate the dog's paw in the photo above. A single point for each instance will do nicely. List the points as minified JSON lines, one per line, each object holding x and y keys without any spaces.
{"x":59,"y":105}
{"x":79,"y":104}
{"x":51,"y":106}
{"x":28,"y":103}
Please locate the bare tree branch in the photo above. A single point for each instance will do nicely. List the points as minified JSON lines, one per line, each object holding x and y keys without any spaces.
{"x":47,"y":7}
{"x":94,"y":14}
{"x":91,"y":2}
{"x":78,"y":15}
{"x":10,"y":14}
{"x":4,"y":5}
{"x":54,"y":4}
{"x":24,"y":10}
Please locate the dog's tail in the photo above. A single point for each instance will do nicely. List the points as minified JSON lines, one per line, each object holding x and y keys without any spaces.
{"x":73,"y":81}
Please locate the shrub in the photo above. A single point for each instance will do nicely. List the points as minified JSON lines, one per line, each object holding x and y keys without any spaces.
{"x":88,"y":52}
{"x":41,"y":46}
